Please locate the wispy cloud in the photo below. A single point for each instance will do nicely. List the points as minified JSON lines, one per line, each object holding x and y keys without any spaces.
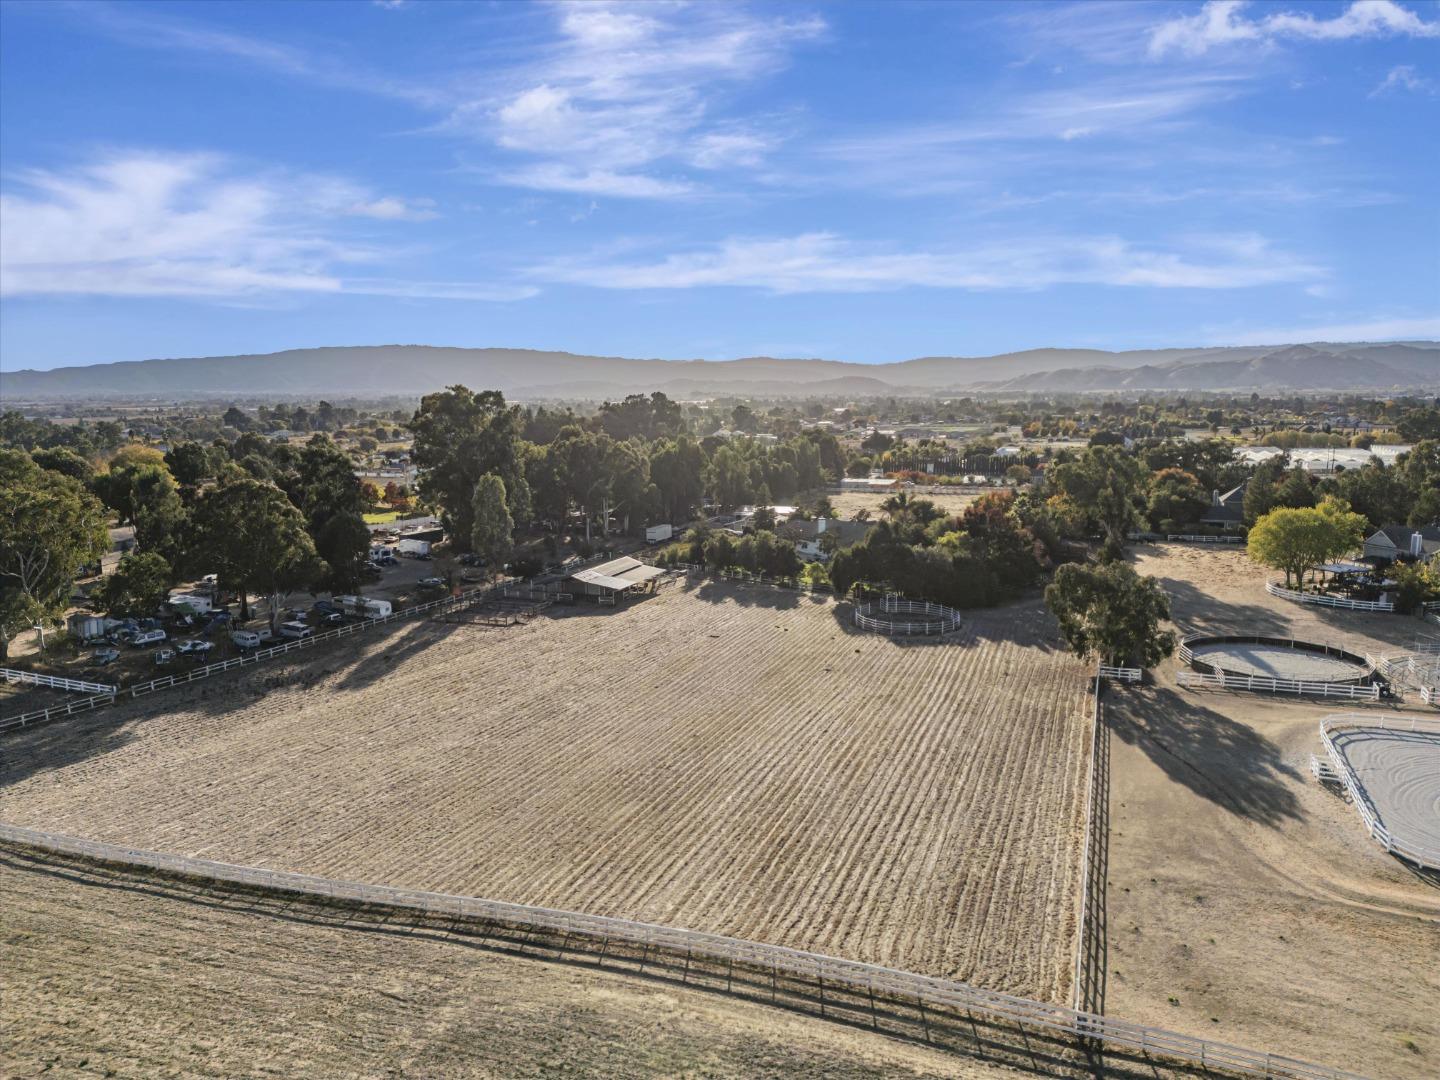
{"x":825,"y":262}
{"x":626,"y":90}
{"x":1404,"y":77}
{"x":165,"y":224}
{"x":1223,"y":22}
{"x":1424,"y":328}
{"x":151,"y":29}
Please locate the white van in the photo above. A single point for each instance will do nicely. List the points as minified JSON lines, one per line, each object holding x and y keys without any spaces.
{"x":296,"y":630}
{"x":245,"y":639}
{"x":148,"y":637}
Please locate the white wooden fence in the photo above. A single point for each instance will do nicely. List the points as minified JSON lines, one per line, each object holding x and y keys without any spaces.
{"x":1411,"y":850}
{"x":1120,"y":674}
{"x":879,"y":615}
{"x":40,"y":716}
{"x":814,"y":968}
{"x":1322,"y":600}
{"x":55,"y":682}
{"x":1195,"y":680}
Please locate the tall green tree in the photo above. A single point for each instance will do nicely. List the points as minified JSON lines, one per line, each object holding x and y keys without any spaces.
{"x":252,"y":537}
{"x":492,"y":528}
{"x":331,"y":497}
{"x":1111,"y":613}
{"x":677,"y":468}
{"x":1294,"y":539}
{"x":1108,"y":485}
{"x":461,"y":435}
{"x":50,"y":526}
{"x":138,"y":586}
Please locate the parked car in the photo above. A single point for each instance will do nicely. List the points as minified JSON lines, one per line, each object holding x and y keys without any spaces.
{"x":431,"y":583}
{"x":323,"y":611}
{"x":105,"y":656}
{"x":296,"y":630}
{"x":164,"y":656}
{"x":471,"y":559}
{"x":245,"y":639}
{"x":147,"y":637}
{"x":371,"y":572}
{"x":191,"y":647}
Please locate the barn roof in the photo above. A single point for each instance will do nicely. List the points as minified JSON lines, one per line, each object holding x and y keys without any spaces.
{"x":618,"y":574}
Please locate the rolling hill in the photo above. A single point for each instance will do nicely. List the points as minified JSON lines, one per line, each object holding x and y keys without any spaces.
{"x":410,"y":370}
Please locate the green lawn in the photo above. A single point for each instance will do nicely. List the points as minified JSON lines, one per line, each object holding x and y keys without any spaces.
{"x":381,"y":517}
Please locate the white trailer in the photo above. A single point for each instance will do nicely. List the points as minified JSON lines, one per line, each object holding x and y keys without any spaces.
{"x":194,"y":603}
{"x":365,"y":606}
{"x":654,"y":534}
{"x":413,"y":547}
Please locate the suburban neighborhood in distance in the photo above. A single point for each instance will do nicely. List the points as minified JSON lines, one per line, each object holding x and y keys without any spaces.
{"x":728,"y":540}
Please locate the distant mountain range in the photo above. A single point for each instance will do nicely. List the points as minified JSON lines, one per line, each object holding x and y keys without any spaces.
{"x":371,"y":371}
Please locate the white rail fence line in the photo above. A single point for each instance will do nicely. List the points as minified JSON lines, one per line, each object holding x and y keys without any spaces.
{"x":1083,"y":990}
{"x":1120,"y":674}
{"x":1194,"y":680}
{"x":1327,"y":601}
{"x":877,"y":615}
{"x":55,"y":682}
{"x":40,"y":716}
{"x":1420,"y":854}
{"x":827,"y":970}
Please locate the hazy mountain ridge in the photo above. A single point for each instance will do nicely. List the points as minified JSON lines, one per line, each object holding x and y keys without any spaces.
{"x":390,"y":370}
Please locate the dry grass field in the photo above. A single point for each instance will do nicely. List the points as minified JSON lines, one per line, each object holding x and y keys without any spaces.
{"x":113,"y":976}
{"x":847,"y":502}
{"x":1246,"y":902}
{"x":731,"y":760}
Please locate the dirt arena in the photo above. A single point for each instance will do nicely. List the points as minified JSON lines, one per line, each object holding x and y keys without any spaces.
{"x":732,"y":760}
{"x":1246,"y":901}
{"x":113,"y":976}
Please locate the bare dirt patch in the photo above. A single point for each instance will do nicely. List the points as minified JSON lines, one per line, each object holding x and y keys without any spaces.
{"x":730,"y":760}
{"x":1246,"y":902}
{"x":846,"y":503}
{"x":105,"y":976}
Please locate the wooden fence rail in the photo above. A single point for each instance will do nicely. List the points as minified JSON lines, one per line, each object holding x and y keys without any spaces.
{"x":1120,"y":674}
{"x":1422,"y":855}
{"x":1195,"y":680}
{"x":55,"y":682}
{"x":40,"y":716}
{"x":1327,"y":601}
{"x":826,"y":971}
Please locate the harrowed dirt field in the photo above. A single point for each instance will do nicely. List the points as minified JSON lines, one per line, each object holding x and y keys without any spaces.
{"x":108,"y":975}
{"x":1245,"y":900}
{"x":725,"y":759}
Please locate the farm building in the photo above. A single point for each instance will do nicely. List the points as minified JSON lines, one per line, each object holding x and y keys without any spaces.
{"x":1226,"y":509}
{"x":609,"y":581}
{"x":1404,"y":542}
{"x":809,"y":536}
{"x":870,"y":483}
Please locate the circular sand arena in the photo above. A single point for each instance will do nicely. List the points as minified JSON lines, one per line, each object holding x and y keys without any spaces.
{"x":1399,"y":773}
{"x":1277,"y":658}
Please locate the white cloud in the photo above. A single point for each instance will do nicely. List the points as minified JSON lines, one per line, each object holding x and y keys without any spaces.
{"x":1404,"y":77}
{"x":628,"y":88}
{"x":824,"y":262}
{"x":557,"y":176}
{"x":1400,"y":329}
{"x":1223,"y":22}
{"x":164,"y":224}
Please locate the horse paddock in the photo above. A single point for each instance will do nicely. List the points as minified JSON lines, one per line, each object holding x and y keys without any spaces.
{"x":724,"y":759}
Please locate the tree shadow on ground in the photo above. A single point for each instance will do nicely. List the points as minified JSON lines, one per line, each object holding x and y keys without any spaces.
{"x":760,"y":596}
{"x":1217,"y":758}
{"x":1198,"y":612}
{"x":73,"y":739}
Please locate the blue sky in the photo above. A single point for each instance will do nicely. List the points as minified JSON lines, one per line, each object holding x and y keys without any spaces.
{"x":857,"y":181}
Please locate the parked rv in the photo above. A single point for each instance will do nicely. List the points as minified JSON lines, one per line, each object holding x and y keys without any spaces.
{"x":655,"y":534}
{"x":296,"y":630}
{"x":414,"y":549}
